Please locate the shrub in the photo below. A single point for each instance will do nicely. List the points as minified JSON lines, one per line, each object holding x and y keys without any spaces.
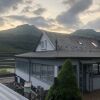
{"x":65,"y":87}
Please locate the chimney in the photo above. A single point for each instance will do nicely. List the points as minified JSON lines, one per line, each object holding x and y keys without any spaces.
{"x":56,"y":42}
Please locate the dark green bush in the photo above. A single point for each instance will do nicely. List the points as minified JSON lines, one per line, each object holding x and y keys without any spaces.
{"x":65,"y":87}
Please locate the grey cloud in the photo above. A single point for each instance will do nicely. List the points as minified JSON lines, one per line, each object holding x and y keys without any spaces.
{"x":36,"y":9}
{"x":39,"y":11}
{"x":38,"y":21}
{"x":95,"y":24}
{"x":5,"y":5}
{"x":71,"y":17}
{"x":15,"y":7}
{"x":27,"y":9}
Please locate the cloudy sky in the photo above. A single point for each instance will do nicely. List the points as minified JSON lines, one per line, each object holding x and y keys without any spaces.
{"x":53,"y":15}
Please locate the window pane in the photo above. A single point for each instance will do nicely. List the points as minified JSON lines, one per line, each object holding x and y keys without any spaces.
{"x":33,"y":69}
{"x":42,"y":44}
{"x":37,"y":70}
{"x":45,"y":44}
{"x":95,"y":68}
{"x":43,"y":72}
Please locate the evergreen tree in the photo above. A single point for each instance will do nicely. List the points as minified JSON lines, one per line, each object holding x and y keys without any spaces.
{"x":65,"y":86}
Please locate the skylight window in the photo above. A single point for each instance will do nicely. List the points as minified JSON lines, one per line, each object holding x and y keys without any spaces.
{"x":94,"y":44}
{"x":80,"y":42}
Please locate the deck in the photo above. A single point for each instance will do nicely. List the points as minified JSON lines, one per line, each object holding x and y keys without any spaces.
{"x":92,"y":96}
{"x":8,"y":94}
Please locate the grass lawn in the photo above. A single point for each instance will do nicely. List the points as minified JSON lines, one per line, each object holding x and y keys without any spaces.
{"x":6,"y":71}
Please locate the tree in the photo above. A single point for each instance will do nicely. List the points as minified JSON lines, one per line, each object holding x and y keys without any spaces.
{"x":65,"y":87}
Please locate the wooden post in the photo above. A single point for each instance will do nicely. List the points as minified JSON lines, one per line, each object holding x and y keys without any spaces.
{"x":29,"y":70}
{"x":55,"y":74}
{"x":55,"y":71}
{"x":82,"y":78}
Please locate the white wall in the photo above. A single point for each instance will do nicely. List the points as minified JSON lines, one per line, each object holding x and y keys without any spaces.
{"x":37,"y":82}
{"x":50,"y":46}
{"x":23,"y":75}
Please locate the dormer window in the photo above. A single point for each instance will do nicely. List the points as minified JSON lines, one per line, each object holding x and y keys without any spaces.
{"x":44,"y":44}
{"x":80,"y":42}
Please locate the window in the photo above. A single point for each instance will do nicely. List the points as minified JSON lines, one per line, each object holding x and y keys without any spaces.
{"x":50,"y":73}
{"x":95,"y":68}
{"x":33,"y":69}
{"x":37,"y":71}
{"x":80,"y":42}
{"x":94,"y":44}
{"x":43,"y":72}
{"x":44,"y":44}
{"x":50,"y":70}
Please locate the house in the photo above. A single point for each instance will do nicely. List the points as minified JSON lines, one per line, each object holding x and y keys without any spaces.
{"x":40,"y":67}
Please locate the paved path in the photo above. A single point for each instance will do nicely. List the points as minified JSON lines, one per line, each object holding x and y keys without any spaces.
{"x":92,"y":96}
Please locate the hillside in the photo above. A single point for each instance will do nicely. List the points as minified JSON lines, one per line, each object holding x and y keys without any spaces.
{"x":23,"y":38}
{"x":87,"y":33}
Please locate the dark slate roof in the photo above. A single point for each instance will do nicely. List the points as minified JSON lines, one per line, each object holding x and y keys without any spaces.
{"x":68,"y":46}
{"x":73,"y":43}
{"x":55,"y":36}
{"x":60,"y":54}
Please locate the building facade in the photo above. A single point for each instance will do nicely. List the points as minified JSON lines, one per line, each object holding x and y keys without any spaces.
{"x":40,"y":67}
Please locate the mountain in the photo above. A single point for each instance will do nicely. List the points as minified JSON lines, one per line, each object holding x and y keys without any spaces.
{"x":87,"y":33}
{"x":23,"y":38}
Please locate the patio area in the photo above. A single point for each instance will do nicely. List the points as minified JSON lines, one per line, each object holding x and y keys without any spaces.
{"x":92,"y":96}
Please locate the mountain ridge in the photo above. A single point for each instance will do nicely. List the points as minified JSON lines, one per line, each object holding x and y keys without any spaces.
{"x":24,"y":38}
{"x":20,"y":39}
{"x":90,"y":33}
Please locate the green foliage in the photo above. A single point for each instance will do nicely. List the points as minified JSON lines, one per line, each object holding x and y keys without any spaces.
{"x":3,"y":71}
{"x":65,"y":87}
{"x":8,"y":70}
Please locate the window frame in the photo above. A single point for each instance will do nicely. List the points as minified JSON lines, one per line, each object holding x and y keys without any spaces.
{"x":44,"y":45}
